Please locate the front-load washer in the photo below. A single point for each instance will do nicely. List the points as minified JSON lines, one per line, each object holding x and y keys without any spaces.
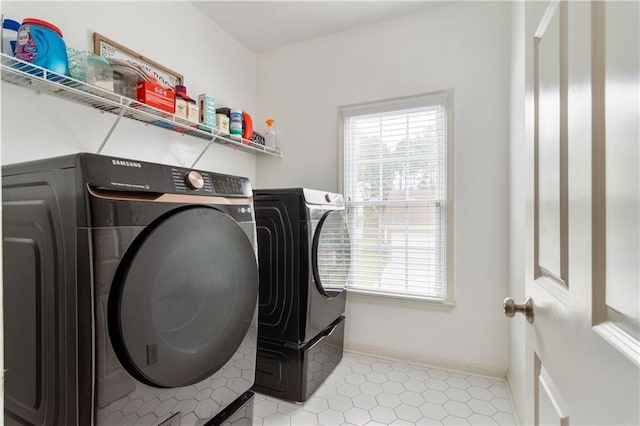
{"x":304,"y":256}
{"x":130,"y":292}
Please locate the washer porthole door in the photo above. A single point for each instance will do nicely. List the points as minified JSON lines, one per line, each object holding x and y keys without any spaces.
{"x":184,"y":297}
{"x":331,"y":254}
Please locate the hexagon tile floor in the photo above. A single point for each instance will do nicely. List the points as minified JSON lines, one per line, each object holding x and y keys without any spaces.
{"x":365,"y":390}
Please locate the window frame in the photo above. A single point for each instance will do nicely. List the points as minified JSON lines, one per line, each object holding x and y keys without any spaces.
{"x":442,"y":97}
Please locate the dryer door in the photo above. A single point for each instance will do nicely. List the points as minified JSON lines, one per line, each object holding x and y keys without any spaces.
{"x":184,"y":297}
{"x":331,"y":254}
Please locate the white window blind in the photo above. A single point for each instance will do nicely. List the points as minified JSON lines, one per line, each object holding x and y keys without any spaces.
{"x":395,"y":184}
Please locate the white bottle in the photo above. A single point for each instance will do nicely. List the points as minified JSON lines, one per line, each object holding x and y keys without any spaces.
{"x":270,"y":135}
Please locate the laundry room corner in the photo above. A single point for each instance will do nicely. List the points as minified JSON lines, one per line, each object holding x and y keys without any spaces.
{"x":462,"y":46}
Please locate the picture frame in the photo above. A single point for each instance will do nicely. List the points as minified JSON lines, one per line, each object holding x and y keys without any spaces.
{"x":108,"y":48}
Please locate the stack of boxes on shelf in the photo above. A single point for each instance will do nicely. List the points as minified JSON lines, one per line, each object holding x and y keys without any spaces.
{"x":126,"y":78}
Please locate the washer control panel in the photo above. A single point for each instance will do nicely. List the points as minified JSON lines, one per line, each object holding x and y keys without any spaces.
{"x":207,"y":183}
{"x":228,"y":185}
{"x":194,"y":180}
{"x":185,"y":180}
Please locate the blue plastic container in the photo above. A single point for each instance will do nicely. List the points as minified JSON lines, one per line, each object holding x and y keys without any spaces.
{"x":41,"y":43}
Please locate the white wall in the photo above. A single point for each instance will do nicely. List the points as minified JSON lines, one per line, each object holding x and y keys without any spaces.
{"x":517,"y":201}
{"x":174,"y":34}
{"x":464,"y":46}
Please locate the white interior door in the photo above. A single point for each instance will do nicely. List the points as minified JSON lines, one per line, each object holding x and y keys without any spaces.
{"x":583,"y":217}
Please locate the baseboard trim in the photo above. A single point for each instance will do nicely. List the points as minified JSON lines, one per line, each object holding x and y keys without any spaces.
{"x":426,"y":361}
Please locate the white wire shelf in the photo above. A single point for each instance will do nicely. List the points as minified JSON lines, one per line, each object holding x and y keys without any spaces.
{"x":41,"y":80}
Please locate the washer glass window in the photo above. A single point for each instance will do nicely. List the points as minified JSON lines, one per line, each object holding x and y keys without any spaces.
{"x":184,"y":298}
{"x":331,"y":254}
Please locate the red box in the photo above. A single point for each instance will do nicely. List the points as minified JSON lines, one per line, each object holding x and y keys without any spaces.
{"x":156,"y":96}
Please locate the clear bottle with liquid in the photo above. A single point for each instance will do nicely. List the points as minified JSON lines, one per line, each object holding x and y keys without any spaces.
{"x":270,"y":135}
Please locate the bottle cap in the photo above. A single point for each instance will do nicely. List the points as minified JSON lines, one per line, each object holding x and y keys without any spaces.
{"x":40,"y":22}
{"x":182,"y":91}
{"x":10,"y":24}
{"x":269,"y":121}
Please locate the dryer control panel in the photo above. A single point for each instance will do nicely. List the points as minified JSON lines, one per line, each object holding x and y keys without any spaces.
{"x":136,"y":176}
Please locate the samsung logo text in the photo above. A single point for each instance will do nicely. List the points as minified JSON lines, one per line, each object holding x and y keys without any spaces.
{"x":126,"y":163}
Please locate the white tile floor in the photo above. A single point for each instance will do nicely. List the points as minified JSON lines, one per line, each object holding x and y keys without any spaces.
{"x":365,"y":390}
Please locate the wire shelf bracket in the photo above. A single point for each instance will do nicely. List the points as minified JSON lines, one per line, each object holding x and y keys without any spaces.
{"x":113,"y":127}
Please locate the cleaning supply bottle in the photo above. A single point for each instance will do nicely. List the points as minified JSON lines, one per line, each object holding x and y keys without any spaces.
{"x":270,"y":135}
{"x":235,"y":122}
{"x":9,"y":35}
{"x":41,"y":43}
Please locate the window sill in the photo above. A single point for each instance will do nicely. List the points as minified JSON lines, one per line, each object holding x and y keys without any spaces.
{"x":374,"y":297}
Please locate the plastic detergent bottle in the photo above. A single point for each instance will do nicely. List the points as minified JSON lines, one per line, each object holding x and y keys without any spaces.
{"x":9,"y":34}
{"x":270,"y":135}
{"x":235,"y":122}
{"x":40,"y":43}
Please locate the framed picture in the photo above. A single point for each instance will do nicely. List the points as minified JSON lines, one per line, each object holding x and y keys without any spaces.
{"x":110,"y":49}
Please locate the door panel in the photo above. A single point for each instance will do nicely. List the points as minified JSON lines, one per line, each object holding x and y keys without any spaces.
{"x":549,"y":79}
{"x":622,"y":103}
{"x":551,"y":409}
{"x":582,"y":148}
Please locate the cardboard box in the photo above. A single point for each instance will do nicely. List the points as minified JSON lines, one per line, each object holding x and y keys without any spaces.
{"x":207,"y":106}
{"x":192,"y":111}
{"x":156,"y":96}
{"x":222,"y":123}
{"x":181,"y":107}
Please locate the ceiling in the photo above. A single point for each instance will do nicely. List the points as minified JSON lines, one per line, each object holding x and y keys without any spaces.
{"x":265,"y":25}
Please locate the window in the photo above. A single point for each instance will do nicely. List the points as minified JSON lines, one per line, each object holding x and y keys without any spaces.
{"x":396,"y":167}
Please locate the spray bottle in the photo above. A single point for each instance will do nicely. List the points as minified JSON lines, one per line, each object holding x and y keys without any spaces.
{"x":270,"y":135}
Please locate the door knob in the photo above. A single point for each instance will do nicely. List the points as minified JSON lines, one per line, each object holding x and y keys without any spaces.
{"x":511,"y":308}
